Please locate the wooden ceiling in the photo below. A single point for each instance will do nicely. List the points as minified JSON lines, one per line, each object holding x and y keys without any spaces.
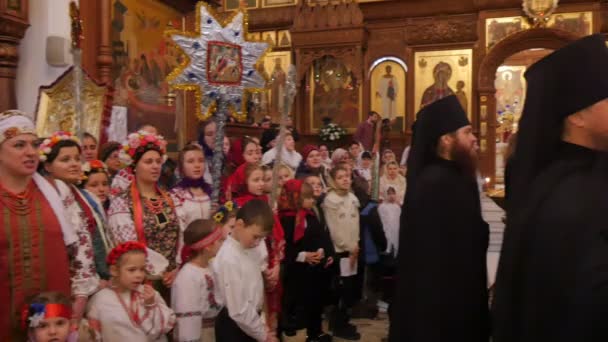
{"x":186,"y":6}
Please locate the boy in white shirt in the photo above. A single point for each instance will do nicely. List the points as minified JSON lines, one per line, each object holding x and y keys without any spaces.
{"x":240,"y":283}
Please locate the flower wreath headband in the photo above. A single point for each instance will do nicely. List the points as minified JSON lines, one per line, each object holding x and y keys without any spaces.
{"x":224,"y":210}
{"x":139,"y":143}
{"x":33,"y":314}
{"x":47,"y":144}
{"x":93,"y":166}
{"x":124,"y":248}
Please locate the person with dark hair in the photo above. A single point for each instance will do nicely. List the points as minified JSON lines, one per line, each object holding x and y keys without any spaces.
{"x":141,"y":211}
{"x":552,"y":274}
{"x":366,"y":130}
{"x":61,"y":160}
{"x":240,"y":282}
{"x":441,"y":290}
{"x":89,"y":147}
{"x":191,"y":195}
{"x":206,"y":138}
{"x":195,"y":289}
{"x":109,"y":154}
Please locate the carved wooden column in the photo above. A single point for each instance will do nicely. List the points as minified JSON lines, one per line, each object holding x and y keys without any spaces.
{"x":13,"y":23}
{"x":104,"y":60}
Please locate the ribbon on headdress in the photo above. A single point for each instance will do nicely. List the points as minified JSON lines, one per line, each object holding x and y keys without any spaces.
{"x":37,"y":312}
{"x":189,"y":250}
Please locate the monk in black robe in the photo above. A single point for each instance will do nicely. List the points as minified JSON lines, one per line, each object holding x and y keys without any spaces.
{"x":552,"y":279}
{"x":441,"y":290}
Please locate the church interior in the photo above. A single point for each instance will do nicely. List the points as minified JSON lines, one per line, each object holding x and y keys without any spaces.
{"x":345,"y":58}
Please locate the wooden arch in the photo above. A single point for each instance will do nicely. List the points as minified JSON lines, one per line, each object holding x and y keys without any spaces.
{"x":547,"y":38}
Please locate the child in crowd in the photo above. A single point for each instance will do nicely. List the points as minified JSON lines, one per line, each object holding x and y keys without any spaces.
{"x":275,"y":243}
{"x":47,"y":318}
{"x":194,"y":291}
{"x":225,"y":216}
{"x":392,"y":178}
{"x":390,"y":214}
{"x":239,"y":278}
{"x":129,"y":310}
{"x":365,"y":168}
{"x":341,"y":210}
{"x":309,"y":254}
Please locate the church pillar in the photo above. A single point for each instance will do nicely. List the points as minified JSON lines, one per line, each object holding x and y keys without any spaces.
{"x":104,"y":60}
{"x":13,"y":24}
{"x":487,"y":134}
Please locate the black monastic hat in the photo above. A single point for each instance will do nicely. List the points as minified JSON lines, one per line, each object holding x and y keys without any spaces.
{"x":436,"y":119}
{"x":559,"y":85}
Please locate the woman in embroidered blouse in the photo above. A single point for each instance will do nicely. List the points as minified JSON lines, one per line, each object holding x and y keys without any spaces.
{"x":35,"y":224}
{"x":140,"y":210}
{"x":191,"y":194}
{"x":60,"y":157}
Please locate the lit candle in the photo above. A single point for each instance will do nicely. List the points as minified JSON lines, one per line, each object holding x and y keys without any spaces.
{"x":487,"y":180}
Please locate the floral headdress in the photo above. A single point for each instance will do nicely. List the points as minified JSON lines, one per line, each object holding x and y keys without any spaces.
{"x":47,"y":144}
{"x":139,"y":143}
{"x":35,"y":313}
{"x":93,"y":166}
{"x":124,"y":248}
{"x":224,"y":210}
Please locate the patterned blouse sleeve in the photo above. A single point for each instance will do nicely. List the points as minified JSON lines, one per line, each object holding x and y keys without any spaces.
{"x":84,"y":278}
{"x":121,"y":227}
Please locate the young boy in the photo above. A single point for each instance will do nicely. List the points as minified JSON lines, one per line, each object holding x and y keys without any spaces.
{"x":341,"y":210}
{"x":239,"y":277}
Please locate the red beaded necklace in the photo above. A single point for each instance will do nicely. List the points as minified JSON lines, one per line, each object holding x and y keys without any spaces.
{"x":18,"y":204}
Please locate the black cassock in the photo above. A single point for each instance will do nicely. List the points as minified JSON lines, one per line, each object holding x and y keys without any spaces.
{"x":552,"y":280}
{"x":441,"y":290}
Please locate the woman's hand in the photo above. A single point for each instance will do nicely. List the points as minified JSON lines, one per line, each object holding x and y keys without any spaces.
{"x":169,"y":277}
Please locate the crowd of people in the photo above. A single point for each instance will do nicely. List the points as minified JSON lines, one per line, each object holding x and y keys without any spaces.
{"x":108,"y":243}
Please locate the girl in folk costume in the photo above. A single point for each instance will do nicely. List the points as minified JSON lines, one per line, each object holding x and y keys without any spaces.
{"x":60,"y":155}
{"x":96,"y":180}
{"x":308,"y":255}
{"x":47,"y":318}
{"x":35,"y":226}
{"x":392,"y":179}
{"x":191,"y":194}
{"x":275,"y":244}
{"x":194,"y":291}
{"x":236,"y":182}
{"x":129,"y":310}
{"x":141,"y":211}
{"x":225,"y":217}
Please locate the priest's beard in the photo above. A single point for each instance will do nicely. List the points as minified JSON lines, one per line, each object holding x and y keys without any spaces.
{"x":466,"y":157}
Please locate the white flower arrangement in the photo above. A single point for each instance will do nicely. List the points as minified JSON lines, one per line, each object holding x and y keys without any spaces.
{"x":332,"y":132}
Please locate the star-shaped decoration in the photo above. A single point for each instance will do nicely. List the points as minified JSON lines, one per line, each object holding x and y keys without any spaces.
{"x":218,"y":56}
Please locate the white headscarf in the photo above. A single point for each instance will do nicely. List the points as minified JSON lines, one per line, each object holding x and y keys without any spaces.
{"x":13,"y":123}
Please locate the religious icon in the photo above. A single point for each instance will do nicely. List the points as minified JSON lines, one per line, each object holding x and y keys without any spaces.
{"x":234,"y":4}
{"x":446,"y":74}
{"x":578,"y":23}
{"x":254,"y":36}
{"x":499,"y":28}
{"x":278,"y":80}
{"x":270,"y":37}
{"x":388,"y":88}
{"x":224,"y":64}
{"x":462,"y":95}
{"x":442,"y":73}
{"x":284,"y":38}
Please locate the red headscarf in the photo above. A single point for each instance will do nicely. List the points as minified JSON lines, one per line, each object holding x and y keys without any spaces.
{"x":306,"y":151}
{"x":290,"y":206}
